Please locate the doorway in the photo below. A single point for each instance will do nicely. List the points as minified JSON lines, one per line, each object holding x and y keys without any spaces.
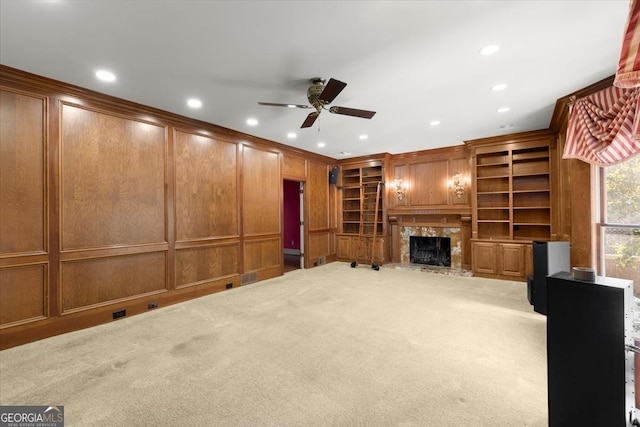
{"x":293,"y":235}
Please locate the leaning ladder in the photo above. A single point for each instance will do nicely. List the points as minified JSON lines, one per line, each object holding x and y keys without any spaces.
{"x":361,"y":230}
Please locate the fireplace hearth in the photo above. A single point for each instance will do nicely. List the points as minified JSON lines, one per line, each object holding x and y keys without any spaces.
{"x":427,"y":250}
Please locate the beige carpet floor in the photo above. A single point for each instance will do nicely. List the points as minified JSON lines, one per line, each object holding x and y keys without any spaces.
{"x":328,"y":346}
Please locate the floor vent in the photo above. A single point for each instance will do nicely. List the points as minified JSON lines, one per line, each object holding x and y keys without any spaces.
{"x":247,"y":278}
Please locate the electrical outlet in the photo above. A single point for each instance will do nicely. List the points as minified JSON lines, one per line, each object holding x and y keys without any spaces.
{"x":120,"y":313}
{"x":153,"y":304}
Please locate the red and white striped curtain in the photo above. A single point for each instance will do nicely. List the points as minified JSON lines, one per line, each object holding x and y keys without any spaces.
{"x":604,"y":128}
{"x":628,"y":74}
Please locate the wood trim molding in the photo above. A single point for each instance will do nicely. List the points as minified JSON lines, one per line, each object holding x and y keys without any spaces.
{"x":141,"y":112}
{"x":561,"y":111}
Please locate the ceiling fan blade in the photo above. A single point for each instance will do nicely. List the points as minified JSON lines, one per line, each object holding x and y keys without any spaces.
{"x":274,"y":104}
{"x":311,"y":118}
{"x":331,"y":90}
{"x":352,"y":112}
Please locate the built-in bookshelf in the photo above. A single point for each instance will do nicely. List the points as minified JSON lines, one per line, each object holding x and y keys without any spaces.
{"x":513,"y":194}
{"x":359,"y":194}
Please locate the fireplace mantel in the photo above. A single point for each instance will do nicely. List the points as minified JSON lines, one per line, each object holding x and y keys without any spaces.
{"x":439,"y":210}
{"x":434,"y":217}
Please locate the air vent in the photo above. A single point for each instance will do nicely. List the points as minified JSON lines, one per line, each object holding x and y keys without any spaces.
{"x":245,"y":279}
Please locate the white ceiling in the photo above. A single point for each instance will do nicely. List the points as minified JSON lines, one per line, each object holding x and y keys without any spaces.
{"x":411,"y":61}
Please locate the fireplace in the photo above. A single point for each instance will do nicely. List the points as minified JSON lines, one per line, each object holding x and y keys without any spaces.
{"x":428,"y":250}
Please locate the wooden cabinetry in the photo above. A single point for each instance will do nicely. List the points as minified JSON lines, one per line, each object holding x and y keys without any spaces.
{"x":362,"y":213}
{"x":506,"y":260}
{"x":348,"y":249}
{"x":512,"y":202}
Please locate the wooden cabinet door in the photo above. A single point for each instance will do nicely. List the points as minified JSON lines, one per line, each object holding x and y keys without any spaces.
{"x":484,"y":257}
{"x":378,"y":252}
{"x":512,"y":259}
{"x":344,"y":247}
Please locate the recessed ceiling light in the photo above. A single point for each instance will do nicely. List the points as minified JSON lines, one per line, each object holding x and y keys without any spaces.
{"x":194,"y":103}
{"x":321,"y":144}
{"x":503,"y":109}
{"x":509,"y":126}
{"x":489,"y":50}
{"x":292,"y":135}
{"x":500,"y":86}
{"x":106,"y":76}
{"x":434,"y":122}
{"x":364,"y":136}
{"x":252,"y":122}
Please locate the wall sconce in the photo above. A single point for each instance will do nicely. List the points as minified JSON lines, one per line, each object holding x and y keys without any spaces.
{"x":456,"y":185}
{"x":400,"y":189}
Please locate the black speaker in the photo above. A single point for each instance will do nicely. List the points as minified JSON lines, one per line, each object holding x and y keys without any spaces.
{"x":590,"y":371}
{"x":548,"y":258}
{"x":333,"y":175}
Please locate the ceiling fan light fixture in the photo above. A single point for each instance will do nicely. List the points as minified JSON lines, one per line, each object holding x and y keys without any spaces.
{"x":320,"y":95}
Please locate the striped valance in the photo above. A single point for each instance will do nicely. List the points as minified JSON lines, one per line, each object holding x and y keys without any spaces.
{"x":628,"y":74}
{"x":604,"y":128}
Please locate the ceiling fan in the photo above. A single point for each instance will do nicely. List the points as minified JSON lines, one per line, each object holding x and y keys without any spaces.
{"x":320,"y":96}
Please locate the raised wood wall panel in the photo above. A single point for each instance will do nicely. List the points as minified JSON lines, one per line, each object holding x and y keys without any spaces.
{"x":101,"y":280}
{"x":428,"y":183}
{"x":202,"y":264}
{"x":294,"y":167}
{"x":206,"y":187}
{"x":582,"y":221}
{"x":262,"y":254}
{"x":261,"y":188}
{"x":398,"y":172}
{"x":23,"y":171}
{"x":319,"y":246}
{"x":112,"y":180}
{"x":460,"y":166}
{"x":23,"y":291}
{"x":317,"y":188}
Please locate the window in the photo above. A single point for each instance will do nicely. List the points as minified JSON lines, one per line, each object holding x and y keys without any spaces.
{"x":619,"y":226}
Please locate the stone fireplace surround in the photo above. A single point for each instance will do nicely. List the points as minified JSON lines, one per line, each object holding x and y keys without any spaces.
{"x":446,"y":222}
{"x":453,"y":233}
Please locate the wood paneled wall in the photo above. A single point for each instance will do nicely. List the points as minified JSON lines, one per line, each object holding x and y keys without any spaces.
{"x":426,"y":175}
{"x":428,"y":197}
{"x":107,"y":205}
